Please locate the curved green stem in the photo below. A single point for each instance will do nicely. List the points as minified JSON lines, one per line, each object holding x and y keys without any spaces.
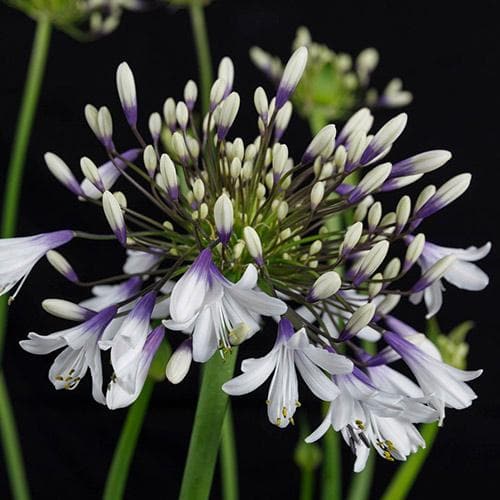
{"x":408,"y":471}
{"x":228,"y":458}
{"x":207,"y":428}
{"x":22,"y":135}
{"x":11,"y":448}
{"x":202,"y":50}
{"x":36,"y":68}
{"x":124,"y":451}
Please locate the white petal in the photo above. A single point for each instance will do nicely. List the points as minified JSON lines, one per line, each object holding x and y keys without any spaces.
{"x":249,"y":278}
{"x":43,"y":344}
{"x":433,"y":297}
{"x":466,"y":276}
{"x":320,"y":431}
{"x":204,"y":337}
{"x":319,"y":384}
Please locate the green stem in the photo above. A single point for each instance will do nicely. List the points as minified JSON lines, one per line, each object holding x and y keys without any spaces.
{"x":207,"y":428}
{"x":11,"y":448}
{"x":15,"y":169}
{"x":362,"y":481}
{"x":124,"y":452}
{"x":34,"y":78}
{"x":203,"y":51}
{"x":228,"y":458}
{"x":407,"y":472}
{"x":331,"y":471}
{"x":307,"y":484}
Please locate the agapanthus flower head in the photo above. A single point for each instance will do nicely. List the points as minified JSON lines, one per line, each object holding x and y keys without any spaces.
{"x":238,"y":230}
{"x":333,"y":85}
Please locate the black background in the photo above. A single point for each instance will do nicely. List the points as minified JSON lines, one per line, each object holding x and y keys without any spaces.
{"x":448,"y":56}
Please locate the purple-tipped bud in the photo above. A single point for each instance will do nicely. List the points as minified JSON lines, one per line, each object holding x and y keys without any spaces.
{"x":126,"y":90}
{"x":223,"y":215}
{"x":62,"y":173}
{"x":291,"y":76}
{"x":324,"y":287}
{"x":434,"y":273}
{"x":114,"y":216}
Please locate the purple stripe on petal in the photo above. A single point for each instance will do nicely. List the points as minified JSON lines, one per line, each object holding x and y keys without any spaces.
{"x":285,"y":330}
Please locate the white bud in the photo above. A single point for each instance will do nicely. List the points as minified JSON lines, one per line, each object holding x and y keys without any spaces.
{"x":121,"y":199}
{"x":326,"y":171}
{"x":66,"y":310}
{"x":254,"y":245}
{"x":370,"y":182}
{"x":114,"y":216}
{"x":169,"y":174}
{"x":247,"y":170}
{"x":375,"y":286}
{"x":361,"y":120}
{"x":169,"y":114}
{"x":392,"y":269}
{"x":414,"y":251}
{"x":366,"y":62}
{"x":385,"y":137}
{"x":238,"y":148}
{"x":448,"y":192}
{"x":238,"y":249}
{"x":425,"y":195}
{"x":421,"y":163}
{"x":182,"y":115}
{"x":340,"y":158}
{"x":91,"y":117}
{"x":282,"y":120}
{"x":324,"y":287}
{"x":317,"y":194}
{"x":61,"y":265}
{"x":224,"y":218}
{"x":155,"y":125}
{"x":403,"y":211}
{"x":228,"y":111}
{"x":362,"y":208}
{"x":150,"y":160}
{"x":269,"y":180}
{"x":374,"y":216}
{"x":217,"y":92}
{"x":199,"y":190}
{"x":282,"y":211}
{"x":351,"y":238}
{"x":434,"y":273}
{"x":62,"y":173}
{"x":261,"y":103}
{"x":280,"y":157}
{"x":359,"y":319}
{"x":371,"y":261}
{"x":261,"y":191}
{"x":105,"y":126}
{"x":126,"y":90}
{"x":91,"y":173}
{"x":388,"y":304}
{"x":235,"y":169}
{"x":291,"y":76}
{"x":226,"y":72}
{"x":323,"y":139}
{"x":315,"y":247}
{"x":356,"y":146}
{"x":179,"y":146}
{"x":179,"y":363}
{"x":190,"y":94}
{"x":203,"y":211}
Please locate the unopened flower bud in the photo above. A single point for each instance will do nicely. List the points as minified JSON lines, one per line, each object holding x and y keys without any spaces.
{"x":317,"y":194}
{"x":126,"y":90}
{"x":91,"y":173}
{"x":223,"y":215}
{"x":254,"y":245}
{"x":169,"y":174}
{"x":414,"y":251}
{"x":217,"y":93}
{"x":190,"y":94}
{"x":198,"y":190}
{"x":238,"y":249}
{"x":61,"y":265}
{"x":182,"y":115}
{"x":351,"y":238}
{"x":370,"y":262}
{"x":226,"y":73}
{"x":62,"y":173}
{"x":421,"y":163}
{"x":150,"y":160}
{"x":403,"y":211}
{"x":180,"y":148}
{"x":425,"y":195}
{"x":282,"y":120}
{"x":280,"y":157}
{"x":324,"y":287}
{"x":374,"y":216}
{"x":154,"y":125}
{"x":169,"y":114}
{"x":261,"y":103}
{"x":323,"y":139}
{"x":228,"y":111}
{"x":370,"y":182}
{"x":434,"y":273}
{"x":291,"y":76}
{"x":179,"y":363}
{"x":91,"y":118}
{"x":392,"y":269}
{"x":359,"y":319}
{"x":388,"y":304}
{"x":315,"y":247}
{"x":375,"y":286}
{"x":66,"y":310}
{"x":105,"y":127}
{"x":114,"y":216}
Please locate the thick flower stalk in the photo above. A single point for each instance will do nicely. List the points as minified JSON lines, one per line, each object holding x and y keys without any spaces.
{"x":235,"y":232}
{"x":333,"y":85}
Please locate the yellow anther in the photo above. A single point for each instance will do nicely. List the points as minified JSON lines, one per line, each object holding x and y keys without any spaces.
{"x":284,"y":411}
{"x":278,"y":421}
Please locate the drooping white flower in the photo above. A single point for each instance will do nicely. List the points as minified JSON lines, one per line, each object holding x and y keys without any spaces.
{"x":141,"y":262}
{"x":18,"y":256}
{"x":367,"y":416}
{"x":443,"y":384}
{"x":461,"y":273}
{"x":292,"y":350}
{"x":204,"y":302}
{"x":123,"y":391}
{"x":81,"y":352}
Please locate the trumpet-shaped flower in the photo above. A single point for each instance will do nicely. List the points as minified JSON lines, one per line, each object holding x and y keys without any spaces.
{"x":81,"y":352}
{"x":292,"y":350}
{"x":205,"y":302}
{"x":461,"y":273}
{"x":18,"y":256}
